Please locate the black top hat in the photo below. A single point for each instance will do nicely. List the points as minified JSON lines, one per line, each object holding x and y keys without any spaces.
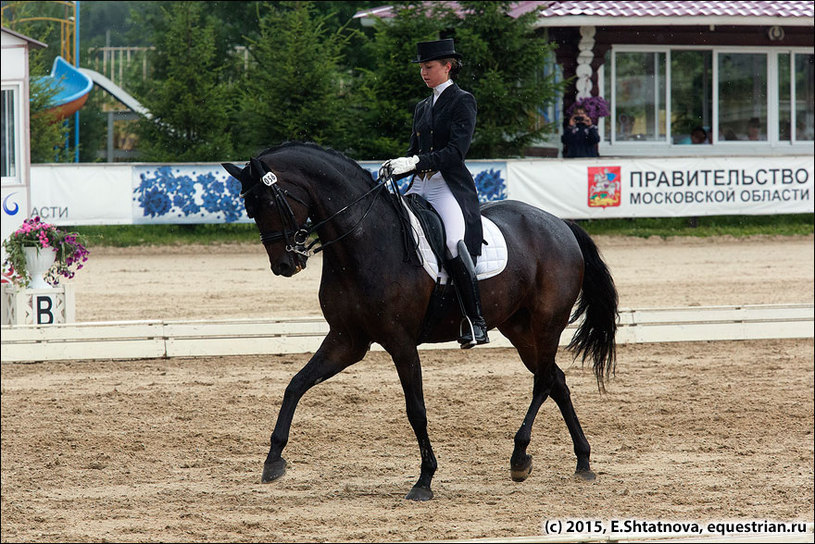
{"x":439,"y":49}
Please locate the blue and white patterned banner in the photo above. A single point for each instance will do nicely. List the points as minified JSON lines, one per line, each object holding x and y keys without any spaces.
{"x":186,"y":194}
{"x":490,"y":178}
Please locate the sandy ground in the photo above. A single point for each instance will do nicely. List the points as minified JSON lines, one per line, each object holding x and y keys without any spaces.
{"x":171,"y":450}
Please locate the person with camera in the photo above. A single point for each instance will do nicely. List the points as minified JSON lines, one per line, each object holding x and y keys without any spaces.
{"x":580,"y":136}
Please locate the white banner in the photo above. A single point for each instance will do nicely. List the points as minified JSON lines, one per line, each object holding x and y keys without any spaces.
{"x":664,"y":187}
{"x":110,"y":194}
{"x":82,"y":194}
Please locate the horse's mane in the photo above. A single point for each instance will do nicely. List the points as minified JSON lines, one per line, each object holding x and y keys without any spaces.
{"x":311,"y":146}
{"x":408,"y":240}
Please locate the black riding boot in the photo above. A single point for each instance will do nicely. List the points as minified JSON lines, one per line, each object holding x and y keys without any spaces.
{"x":463,"y":272}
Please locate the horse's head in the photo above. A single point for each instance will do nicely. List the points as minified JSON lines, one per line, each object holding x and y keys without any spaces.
{"x":279,"y":215}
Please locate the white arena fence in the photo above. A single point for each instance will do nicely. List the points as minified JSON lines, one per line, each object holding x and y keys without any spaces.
{"x":162,"y":339}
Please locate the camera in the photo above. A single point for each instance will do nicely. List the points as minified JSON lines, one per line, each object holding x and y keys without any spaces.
{"x":579,"y":118}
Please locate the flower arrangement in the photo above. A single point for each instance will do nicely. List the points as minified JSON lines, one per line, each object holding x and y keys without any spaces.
{"x":595,"y":106}
{"x":71,"y":253}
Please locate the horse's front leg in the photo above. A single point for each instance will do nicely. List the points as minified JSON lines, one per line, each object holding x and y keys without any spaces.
{"x":337,"y":352}
{"x":410,"y":374}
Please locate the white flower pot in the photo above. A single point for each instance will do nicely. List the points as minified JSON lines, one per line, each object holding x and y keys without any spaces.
{"x":39,"y":261}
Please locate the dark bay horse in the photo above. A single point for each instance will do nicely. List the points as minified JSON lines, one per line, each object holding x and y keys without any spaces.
{"x":369,"y":293}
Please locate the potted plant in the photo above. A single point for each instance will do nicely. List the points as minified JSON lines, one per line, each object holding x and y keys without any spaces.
{"x":595,"y":106}
{"x":38,"y":252}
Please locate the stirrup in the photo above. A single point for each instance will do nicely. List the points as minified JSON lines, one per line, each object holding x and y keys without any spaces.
{"x":466,"y":334}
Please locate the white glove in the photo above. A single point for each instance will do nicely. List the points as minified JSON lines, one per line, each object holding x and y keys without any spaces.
{"x":402,"y":165}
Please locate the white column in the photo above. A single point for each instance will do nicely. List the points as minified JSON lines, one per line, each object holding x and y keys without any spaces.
{"x":585,"y":57}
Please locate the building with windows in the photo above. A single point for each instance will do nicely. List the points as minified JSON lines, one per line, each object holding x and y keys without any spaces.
{"x":735,"y":76}
{"x":15,"y":156}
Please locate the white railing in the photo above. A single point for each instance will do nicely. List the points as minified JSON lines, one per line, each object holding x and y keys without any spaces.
{"x":159,"y":339}
{"x":112,"y":62}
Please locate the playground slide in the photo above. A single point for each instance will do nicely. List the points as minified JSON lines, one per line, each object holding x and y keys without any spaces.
{"x":71,"y":86}
{"x":74,"y":84}
{"x":116,"y":92}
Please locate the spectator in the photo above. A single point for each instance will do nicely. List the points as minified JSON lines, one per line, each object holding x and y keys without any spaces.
{"x":754,"y":129}
{"x":698,"y":136}
{"x":580,"y":136}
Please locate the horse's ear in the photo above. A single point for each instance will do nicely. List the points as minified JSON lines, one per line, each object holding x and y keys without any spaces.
{"x":258,"y":169}
{"x":234,"y":171}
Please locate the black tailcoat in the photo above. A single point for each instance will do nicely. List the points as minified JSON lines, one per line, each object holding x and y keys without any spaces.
{"x":441,"y":138}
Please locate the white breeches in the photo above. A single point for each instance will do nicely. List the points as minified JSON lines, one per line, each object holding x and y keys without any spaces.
{"x":436,"y":191}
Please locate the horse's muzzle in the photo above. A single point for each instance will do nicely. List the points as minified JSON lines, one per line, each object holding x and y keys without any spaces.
{"x":289,"y":265}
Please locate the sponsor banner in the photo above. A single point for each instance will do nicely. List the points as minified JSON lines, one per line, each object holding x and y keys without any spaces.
{"x":665,"y":187}
{"x":15,"y":204}
{"x":81,"y":194}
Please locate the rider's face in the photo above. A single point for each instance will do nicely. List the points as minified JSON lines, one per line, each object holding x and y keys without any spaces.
{"x":435,"y":72}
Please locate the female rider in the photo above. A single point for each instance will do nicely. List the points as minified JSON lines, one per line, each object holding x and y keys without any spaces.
{"x":443,"y":126}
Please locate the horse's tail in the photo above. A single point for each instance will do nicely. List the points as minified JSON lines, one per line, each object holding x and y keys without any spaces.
{"x":598,"y":301}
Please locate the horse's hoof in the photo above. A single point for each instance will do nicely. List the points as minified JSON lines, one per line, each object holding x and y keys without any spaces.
{"x":419,"y":494}
{"x":585,"y":475}
{"x":274,"y":470}
{"x":521,"y":473}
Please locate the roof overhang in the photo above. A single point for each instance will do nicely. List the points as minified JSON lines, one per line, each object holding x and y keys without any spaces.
{"x":31,"y":41}
{"x":553,"y":14}
{"x":594,"y":20}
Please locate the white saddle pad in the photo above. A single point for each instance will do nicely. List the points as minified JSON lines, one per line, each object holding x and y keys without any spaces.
{"x":491,"y":262}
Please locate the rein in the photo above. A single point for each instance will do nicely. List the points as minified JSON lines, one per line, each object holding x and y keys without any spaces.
{"x":294,"y":236}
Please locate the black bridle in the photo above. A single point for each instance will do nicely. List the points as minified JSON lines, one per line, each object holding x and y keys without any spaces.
{"x":295,"y":236}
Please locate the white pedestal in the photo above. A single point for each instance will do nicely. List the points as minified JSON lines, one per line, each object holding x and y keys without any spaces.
{"x":37,"y":306}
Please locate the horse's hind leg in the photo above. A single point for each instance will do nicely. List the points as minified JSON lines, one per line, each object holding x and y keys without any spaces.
{"x":538,"y":355}
{"x":560,"y":394}
{"x":334,"y":355}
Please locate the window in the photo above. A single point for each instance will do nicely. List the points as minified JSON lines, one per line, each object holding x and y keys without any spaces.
{"x":691,"y":96}
{"x":639,"y":96}
{"x":804,"y":97}
{"x":721,"y":95}
{"x":784,"y":115}
{"x":742,"y":98}
{"x":9,"y":163}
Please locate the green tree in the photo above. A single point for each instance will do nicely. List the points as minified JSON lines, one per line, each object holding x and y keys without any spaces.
{"x":385,"y":96}
{"x":293,"y":88}
{"x":49,"y":134}
{"x":188,"y":97}
{"x":116,"y":23}
{"x":503,"y":67}
{"x":93,"y":126}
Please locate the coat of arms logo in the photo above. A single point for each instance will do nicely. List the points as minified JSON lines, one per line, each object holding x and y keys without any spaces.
{"x":605,"y":186}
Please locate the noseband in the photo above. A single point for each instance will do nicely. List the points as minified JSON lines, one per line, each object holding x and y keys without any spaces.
{"x":295,"y":237}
